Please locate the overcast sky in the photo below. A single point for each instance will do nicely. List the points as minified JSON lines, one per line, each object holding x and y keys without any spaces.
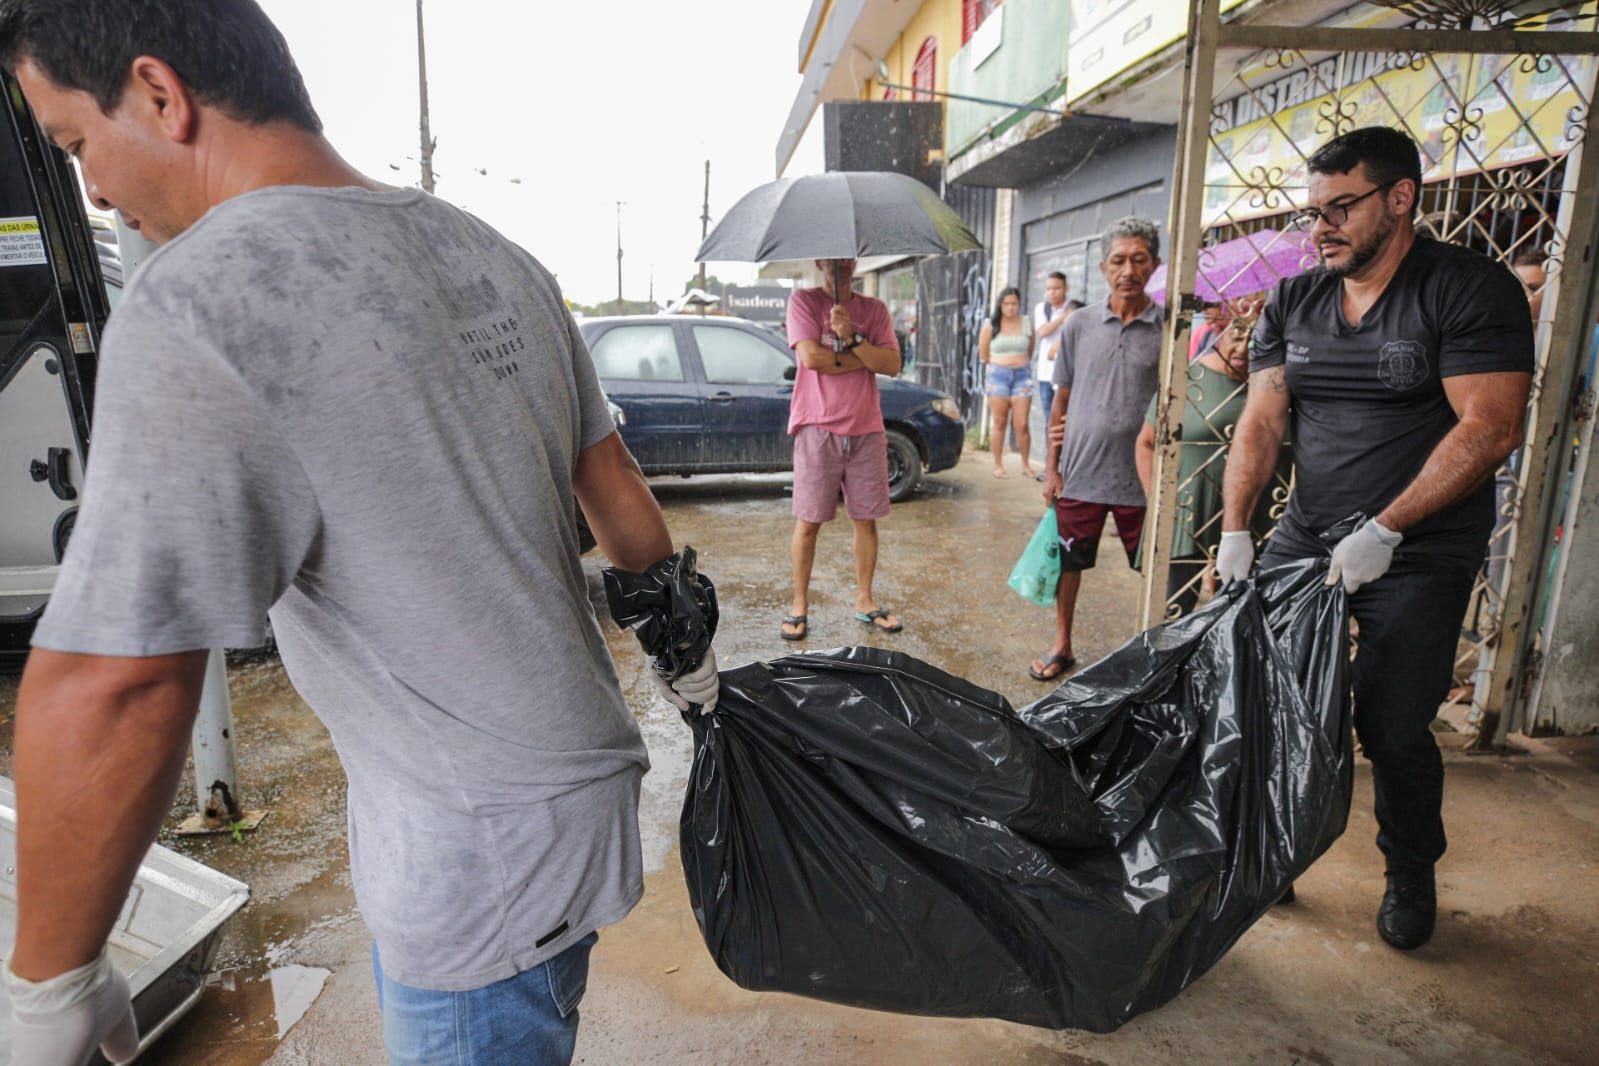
{"x":587,"y":103}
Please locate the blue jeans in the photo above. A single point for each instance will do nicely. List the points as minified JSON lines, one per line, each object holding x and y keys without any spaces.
{"x":1046,"y":398}
{"x":526,"y":1020}
{"x":1008,"y":381}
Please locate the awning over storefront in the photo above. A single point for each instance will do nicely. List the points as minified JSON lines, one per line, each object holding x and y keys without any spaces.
{"x":1015,"y":160}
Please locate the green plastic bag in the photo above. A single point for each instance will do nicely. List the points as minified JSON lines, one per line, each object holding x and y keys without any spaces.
{"x":1037,"y":572}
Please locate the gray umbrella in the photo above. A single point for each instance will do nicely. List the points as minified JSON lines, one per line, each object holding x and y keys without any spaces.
{"x":837,"y":215}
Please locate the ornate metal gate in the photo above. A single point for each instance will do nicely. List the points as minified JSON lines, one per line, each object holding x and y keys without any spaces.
{"x":1499,"y":105}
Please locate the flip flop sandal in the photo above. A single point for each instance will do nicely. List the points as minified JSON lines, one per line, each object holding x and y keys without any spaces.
{"x":1063,"y":662}
{"x":871,"y":620}
{"x":796,"y":620}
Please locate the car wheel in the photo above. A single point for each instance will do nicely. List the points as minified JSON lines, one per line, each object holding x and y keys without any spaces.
{"x":904,"y":466}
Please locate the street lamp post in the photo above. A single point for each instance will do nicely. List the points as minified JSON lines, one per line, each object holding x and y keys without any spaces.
{"x":619,"y":256}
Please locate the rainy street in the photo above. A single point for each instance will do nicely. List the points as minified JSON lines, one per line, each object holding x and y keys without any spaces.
{"x":1310,"y":983}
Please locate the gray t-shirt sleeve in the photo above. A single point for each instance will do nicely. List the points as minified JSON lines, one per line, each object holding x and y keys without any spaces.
{"x":196,"y":516}
{"x":1266,"y":342}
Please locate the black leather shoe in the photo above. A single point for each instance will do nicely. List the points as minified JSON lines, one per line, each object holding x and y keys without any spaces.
{"x":1409,"y":909}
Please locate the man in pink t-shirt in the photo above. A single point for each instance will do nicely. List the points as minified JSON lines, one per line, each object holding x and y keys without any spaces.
{"x":837,"y":425}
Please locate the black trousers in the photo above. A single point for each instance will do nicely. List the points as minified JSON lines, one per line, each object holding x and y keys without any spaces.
{"x":1404,"y":665}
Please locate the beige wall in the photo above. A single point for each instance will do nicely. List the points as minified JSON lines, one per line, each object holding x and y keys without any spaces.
{"x":939,"y":19}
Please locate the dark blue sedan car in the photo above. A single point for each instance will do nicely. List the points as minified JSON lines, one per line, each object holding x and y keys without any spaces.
{"x":704,"y":395}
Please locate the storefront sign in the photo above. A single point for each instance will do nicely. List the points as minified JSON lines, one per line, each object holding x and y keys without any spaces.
{"x":1110,"y":36}
{"x":759,"y":303}
{"x":1467,"y":113}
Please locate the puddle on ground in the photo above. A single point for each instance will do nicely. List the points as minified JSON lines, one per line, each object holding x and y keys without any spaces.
{"x":292,"y":990}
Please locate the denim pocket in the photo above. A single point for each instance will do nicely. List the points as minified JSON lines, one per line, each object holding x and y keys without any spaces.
{"x":569,"y":974}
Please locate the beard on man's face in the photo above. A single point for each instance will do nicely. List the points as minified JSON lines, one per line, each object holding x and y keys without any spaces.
{"x":1361,"y":255}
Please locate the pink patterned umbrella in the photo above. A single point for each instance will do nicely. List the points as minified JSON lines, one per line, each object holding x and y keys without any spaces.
{"x":1244,"y":265}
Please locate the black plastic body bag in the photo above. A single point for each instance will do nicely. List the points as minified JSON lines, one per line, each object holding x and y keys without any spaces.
{"x":863,"y":828}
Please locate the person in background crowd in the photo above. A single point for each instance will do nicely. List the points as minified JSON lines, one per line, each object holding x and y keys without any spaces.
{"x":1531,"y":267}
{"x":1105,"y":375}
{"x":1214,"y":400}
{"x":1402,"y":365}
{"x":1005,"y":345}
{"x":1048,"y":318}
{"x":843,"y":343}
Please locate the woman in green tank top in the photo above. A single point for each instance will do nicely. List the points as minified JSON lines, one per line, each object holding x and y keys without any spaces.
{"x":1214,"y":401}
{"x":1006,"y":346}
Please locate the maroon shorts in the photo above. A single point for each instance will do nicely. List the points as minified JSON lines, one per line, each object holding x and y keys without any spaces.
{"x":1080,"y":525}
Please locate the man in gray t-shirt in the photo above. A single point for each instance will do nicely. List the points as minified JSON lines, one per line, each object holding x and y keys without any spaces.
{"x":1105,"y":374}
{"x":367,"y":411}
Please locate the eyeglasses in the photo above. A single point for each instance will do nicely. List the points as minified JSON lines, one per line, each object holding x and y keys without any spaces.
{"x":1335,"y":215}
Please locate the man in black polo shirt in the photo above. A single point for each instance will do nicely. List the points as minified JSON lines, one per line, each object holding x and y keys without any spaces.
{"x":1402,"y":367}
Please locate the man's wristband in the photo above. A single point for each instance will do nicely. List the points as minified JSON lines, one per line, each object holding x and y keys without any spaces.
{"x":855,"y":343}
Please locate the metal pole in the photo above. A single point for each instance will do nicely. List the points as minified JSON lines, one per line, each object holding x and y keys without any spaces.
{"x":422,"y":88}
{"x":705,"y":225}
{"x":1510,"y":656}
{"x":619,"y":257}
{"x":1186,"y":228}
{"x":216,"y":772}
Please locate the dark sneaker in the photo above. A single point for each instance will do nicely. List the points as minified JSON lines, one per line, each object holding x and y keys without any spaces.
{"x":1409,"y":908}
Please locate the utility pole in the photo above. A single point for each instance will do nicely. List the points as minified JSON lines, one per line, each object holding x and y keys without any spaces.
{"x":705,"y":224}
{"x":422,"y":84}
{"x":619,"y":256}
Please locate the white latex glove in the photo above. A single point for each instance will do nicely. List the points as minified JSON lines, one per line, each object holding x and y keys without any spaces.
{"x":60,"y":1021}
{"x":1363,"y":556}
{"x":1235,"y":556}
{"x":700,"y":685}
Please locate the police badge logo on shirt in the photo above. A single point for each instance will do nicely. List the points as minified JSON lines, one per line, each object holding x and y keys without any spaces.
{"x":1402,"y":365}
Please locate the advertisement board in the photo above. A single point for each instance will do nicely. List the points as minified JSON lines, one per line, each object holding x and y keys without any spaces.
{"x":1467,"y":114}
{"x":1109,"y":36}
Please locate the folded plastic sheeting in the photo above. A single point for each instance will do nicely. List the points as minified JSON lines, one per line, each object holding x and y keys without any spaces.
{"x":863,"y":828}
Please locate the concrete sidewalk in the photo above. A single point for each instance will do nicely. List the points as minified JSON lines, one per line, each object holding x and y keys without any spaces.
{"x":1511,"y":977}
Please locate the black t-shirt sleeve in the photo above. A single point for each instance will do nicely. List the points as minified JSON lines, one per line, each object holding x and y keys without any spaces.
{"x":1266,"y":346}
{"x":1487,"y":327}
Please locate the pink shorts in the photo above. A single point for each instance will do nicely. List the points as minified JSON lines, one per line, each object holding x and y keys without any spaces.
{"x":825,"y":463}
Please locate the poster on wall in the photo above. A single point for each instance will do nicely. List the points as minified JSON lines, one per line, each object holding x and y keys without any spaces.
{"x":21,"y":242}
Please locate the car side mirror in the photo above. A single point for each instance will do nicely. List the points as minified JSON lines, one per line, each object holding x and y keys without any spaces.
{"x":790,"y":372}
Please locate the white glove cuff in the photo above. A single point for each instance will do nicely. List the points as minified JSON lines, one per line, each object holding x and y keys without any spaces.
{"x":60,"y":992}
{"x":1234,"y":533}
{"x":1388,"y":538}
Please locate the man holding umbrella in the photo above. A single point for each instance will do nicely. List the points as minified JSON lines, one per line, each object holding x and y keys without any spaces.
{"x":843,"y":340}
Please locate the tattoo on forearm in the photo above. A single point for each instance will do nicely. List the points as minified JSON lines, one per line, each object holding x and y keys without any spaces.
{"x":1274,"y":380}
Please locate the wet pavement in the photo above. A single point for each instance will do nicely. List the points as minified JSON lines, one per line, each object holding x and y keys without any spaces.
{"x":1512,"y":976}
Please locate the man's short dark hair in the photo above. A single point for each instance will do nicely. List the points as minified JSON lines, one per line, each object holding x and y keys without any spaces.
{"x":1388,"y":154}
{"x":1058,"y":276}
{"x":1530,"y":257}
{"x":227,"y":52}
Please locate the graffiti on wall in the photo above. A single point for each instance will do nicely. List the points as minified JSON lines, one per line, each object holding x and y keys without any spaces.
{"x":952,"y":301}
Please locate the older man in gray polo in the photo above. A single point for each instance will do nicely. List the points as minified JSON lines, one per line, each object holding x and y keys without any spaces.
{"x":1105,"y":373}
